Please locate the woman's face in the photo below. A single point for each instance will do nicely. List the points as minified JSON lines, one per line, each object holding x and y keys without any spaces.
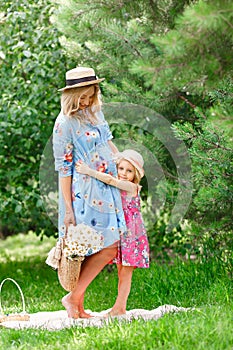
{"x":126,"y":171}
{"x":86,"y":99}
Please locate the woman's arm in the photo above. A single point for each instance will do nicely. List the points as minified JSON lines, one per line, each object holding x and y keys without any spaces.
{"x":63,"y":154}
{"x":67,"y":196}
{"x":113,"y":147}
{"x":107,"y":178}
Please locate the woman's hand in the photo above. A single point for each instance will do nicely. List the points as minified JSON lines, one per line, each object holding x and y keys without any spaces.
{"x":69,"y":219}
{"x":82,"y":168}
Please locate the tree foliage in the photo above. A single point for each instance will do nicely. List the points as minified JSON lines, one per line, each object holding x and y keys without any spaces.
{"x":174,"y":57}
{"x":32,"y":67}
{"x":111,"y":35}
{"x":171,"y":56}
{"x":197,"y":53}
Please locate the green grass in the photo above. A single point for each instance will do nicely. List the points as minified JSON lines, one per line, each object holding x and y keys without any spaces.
{"x":205,"y":286}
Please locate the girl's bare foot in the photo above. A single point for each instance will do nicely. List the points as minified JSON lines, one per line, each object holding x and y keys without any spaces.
{"x":114,"y":313}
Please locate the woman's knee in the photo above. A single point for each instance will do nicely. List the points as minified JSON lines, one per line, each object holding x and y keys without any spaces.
{"x":109,"y":253}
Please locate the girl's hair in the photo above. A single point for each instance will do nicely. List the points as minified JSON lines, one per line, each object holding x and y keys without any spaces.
{"x":70,"y":100}
{"x":137,"y":177}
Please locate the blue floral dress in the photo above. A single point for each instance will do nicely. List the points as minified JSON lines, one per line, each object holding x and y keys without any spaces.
{"x":94,"y":203}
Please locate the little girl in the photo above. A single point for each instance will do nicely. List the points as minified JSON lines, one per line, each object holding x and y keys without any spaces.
{"x":133,"y":250}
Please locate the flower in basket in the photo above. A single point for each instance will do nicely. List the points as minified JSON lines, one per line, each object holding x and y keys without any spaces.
{"x":82,"y":240}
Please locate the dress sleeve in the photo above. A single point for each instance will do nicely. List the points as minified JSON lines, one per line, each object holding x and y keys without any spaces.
{"x":63,"y":147}
{"x":107,"y":131}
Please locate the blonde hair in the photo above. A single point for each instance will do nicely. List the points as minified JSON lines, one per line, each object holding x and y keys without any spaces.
{"x":70,"y":99}
{"x":137,"y":177}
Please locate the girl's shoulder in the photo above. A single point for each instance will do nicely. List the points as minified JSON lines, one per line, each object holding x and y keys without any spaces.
{"x":133,"y":191}
{"x":137,"y":190}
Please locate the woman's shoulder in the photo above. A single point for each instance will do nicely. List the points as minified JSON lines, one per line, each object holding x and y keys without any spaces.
{"x":99,"y":115}
{"x":61,"y":118}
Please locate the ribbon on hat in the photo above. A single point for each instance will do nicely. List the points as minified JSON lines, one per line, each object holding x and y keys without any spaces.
{"x":71,"y":82}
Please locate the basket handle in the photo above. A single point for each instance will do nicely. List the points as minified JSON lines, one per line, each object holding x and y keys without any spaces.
{"x":20,"y":290}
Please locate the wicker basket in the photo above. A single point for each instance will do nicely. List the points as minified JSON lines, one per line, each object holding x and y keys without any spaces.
{"x":69,"y":271}
{"x":23,"y":316}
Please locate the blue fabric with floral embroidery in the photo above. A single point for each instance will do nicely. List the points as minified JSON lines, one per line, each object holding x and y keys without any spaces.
{"x":95,"y":203}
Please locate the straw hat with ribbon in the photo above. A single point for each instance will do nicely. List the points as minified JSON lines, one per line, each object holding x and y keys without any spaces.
{"x":80,"y":76}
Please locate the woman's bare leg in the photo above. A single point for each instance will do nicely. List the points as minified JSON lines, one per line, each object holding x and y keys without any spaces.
{"x":124,"y":285}
{"x":74,"y":301}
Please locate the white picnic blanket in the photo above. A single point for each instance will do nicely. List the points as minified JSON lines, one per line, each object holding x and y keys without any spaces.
{"x":56,"y":320}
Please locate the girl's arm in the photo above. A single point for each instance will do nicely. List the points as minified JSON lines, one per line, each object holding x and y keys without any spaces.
{"x":106,"y":178}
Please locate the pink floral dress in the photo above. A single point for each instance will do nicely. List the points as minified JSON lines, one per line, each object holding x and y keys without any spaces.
{"x":133,"y":247}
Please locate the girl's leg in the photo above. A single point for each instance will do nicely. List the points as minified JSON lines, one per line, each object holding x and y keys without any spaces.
{"x":74,"y":301}
{"x":124,"y":285}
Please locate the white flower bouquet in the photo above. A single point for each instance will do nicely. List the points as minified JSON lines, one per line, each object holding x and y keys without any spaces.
{"x":82,"y":240}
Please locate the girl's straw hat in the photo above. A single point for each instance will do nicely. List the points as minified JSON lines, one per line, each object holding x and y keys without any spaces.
{"x":134,"y":158}
{"x":80,"y":76}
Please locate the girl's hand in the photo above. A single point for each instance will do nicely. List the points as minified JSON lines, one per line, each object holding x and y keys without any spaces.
{"x":82,"y":168}
{"x":69,"y":219}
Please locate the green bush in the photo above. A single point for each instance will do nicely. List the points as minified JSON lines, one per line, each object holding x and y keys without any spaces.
{"x":33,"y":66}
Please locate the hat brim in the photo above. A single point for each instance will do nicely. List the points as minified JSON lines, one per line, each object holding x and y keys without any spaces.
{"x":85,"y":83}
{"x":139,"y":169}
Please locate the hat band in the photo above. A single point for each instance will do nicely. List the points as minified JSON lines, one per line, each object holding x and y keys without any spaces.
{"x":71,"y":82}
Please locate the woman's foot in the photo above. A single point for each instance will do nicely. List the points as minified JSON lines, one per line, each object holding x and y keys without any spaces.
{"x":83,"y":314}
{"x":73,"y":309}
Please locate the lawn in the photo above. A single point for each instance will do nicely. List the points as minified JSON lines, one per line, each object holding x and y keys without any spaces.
{"x":206,"y":286}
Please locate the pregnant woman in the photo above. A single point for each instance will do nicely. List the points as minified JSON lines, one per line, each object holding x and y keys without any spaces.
{"x":82,"y":134}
